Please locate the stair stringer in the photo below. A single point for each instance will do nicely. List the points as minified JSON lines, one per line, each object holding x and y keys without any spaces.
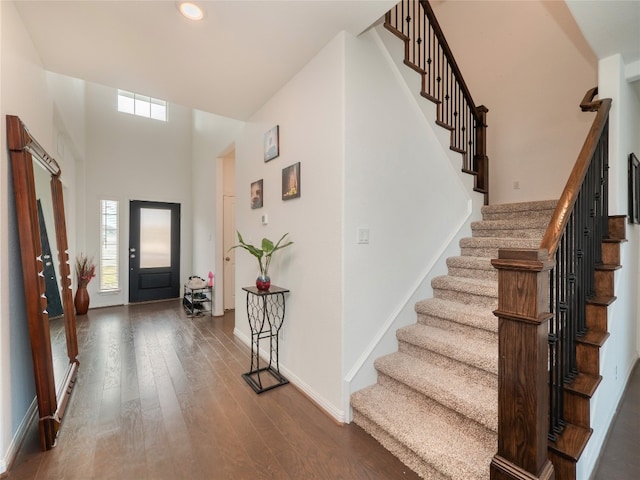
{"x":363,"y":373}
{"x":395,"y":50}
{"x":617,"y":359}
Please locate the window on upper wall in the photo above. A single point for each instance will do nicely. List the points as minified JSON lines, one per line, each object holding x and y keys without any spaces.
{"x":109,"y":271}
{"x":142,"y":105}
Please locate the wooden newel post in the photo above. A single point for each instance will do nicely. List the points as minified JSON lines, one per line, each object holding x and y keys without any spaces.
{"x":523,"y":388}
{"x":481,"y":160}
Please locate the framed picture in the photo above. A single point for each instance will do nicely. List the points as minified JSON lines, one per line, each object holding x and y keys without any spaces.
{"x":634,"y":189}
{"x":291,"y":181}
{"x":272,"y":143}
{"x":256,"y":194}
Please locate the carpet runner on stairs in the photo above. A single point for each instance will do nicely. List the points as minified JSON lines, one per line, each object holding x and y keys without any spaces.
{"x":435,"y":403}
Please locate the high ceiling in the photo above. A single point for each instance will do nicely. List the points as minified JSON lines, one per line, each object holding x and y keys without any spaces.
{"x":610,"y":26}
{"x":234,"y":60}
{"x":229,"y":64}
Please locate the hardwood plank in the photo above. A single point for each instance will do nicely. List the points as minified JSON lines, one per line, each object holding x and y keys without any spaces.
{"x":160,"y":396}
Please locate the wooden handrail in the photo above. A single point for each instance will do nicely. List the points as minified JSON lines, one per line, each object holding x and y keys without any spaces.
{"x":572,"y":188}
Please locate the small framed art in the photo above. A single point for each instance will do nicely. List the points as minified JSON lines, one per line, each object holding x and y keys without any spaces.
{"x":634,"y":189}
{"x":272,"y":143}
{"x":256,"y":194}
{"x":291,"y":181}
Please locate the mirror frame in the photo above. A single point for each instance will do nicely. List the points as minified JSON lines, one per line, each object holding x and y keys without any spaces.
{"x":24,"y":149}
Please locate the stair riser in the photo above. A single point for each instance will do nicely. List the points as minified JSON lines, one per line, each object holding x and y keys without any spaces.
{"x":507,"y":233}
{"x":611,"y":253}
{"x":577,"y":409}
{"x":486,"y":252}
{"x":485,"y":374}
{"x":596,"y":318}
{"x":474,"y":273}
{"x":462,"y":329}
{"x":564,"y":468}
{"x":531,"y":214}
{"x":483,"y":429}
{"x":604,"y":283}
{"x":588,"y":359}
{"x":466,"y":298}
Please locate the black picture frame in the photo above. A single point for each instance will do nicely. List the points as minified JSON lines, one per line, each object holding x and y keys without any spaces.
{"x":634,"y":189}
{"x":291,"y":181}
{"x":256,"y":196}
{"x":272,"y":143}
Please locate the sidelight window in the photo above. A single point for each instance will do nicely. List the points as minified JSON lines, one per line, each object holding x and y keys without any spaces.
{"x":109,"y":271}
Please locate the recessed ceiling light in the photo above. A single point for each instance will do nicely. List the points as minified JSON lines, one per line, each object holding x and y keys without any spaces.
{"x":191,"y":11}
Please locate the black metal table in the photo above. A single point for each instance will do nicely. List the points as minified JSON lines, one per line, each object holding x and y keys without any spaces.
{"x":265,"y":312}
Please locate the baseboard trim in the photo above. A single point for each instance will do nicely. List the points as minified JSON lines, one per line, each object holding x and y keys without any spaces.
{"x":306,"y":389}
{"x":18,"y":438}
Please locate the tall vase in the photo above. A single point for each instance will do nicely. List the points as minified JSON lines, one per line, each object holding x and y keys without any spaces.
{"x":81,"y":301}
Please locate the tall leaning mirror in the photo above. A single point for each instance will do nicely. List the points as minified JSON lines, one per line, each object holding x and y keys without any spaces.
{"x":47,"y":276}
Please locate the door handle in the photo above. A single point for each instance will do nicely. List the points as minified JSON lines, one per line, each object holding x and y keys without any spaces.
{"x":227,"y":259}
{"x":132,"y":250}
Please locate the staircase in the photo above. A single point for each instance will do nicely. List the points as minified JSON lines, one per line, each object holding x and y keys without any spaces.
{"x":435,"y":403}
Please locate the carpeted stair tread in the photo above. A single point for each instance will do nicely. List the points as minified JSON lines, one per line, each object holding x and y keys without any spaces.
{"x":459,"y":393}
{"x":489,"y":246}
{"x":465,"y":314}
{"x":472,"y":267}
{"x":499,"y":242}
{"x":517,"y":211}
{"x":468,"y":349}
{"x":428,"y":433}
{"x":527,"y":227}
{"x":477,"y":291}
{"x":477,"y":263}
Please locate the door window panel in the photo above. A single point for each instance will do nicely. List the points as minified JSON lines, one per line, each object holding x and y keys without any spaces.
{"x":155,"y":238}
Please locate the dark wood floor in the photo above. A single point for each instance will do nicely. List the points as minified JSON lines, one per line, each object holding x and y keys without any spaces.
{"x":620,"y":459}
{"x":160,"y":396}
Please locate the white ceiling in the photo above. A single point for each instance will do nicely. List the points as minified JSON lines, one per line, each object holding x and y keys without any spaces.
{"x":228,"y":64}
{"x":610,"y":26}
{"x":234,"y":60}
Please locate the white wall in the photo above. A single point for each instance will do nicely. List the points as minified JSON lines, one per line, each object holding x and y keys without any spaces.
{"x":132,"y":158}
{"x":369,"y":160}
{"x":211,"y":136}
{"x":23,"y":93}
{"x":530,"y":65}
{"x":309,"y":110}
{"x":621,"y":350}
{"x":401,"y":185}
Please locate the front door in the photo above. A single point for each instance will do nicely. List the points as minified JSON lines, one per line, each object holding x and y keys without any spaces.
{"x":154,"y":251}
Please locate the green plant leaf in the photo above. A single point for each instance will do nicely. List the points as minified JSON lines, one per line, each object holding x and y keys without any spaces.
{"x":267,"y":246}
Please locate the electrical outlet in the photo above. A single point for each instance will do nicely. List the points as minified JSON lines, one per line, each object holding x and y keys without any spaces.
{"x":516,"y":185}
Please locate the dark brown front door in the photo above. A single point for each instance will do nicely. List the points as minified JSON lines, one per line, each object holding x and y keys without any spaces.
{"x":154,"y":251}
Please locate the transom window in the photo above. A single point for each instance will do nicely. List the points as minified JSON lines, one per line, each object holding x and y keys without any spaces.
{"x":142,"y":105}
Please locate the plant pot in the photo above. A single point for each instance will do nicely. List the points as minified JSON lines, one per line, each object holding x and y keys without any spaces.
{"x":81,"y":302}
{"x":263,"y":282}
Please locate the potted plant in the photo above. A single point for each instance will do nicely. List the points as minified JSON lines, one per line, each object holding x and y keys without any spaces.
{"x":85,"y":271}
{"x":264,"y":254}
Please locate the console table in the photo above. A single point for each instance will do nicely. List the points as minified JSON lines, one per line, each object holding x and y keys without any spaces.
{"x":265,"y":312}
